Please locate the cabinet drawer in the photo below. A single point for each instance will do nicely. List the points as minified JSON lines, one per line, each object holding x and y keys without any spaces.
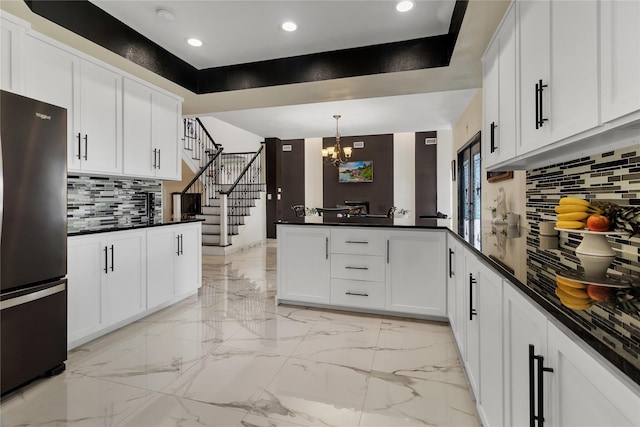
{"x":358,"y":242}
{"x":358,"y":267}
{"x":357,"y":293}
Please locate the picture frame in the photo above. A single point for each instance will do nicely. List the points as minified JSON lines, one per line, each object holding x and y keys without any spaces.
{"x":499,"y":176}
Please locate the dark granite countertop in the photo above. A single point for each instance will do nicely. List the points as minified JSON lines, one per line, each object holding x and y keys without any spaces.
{"x":116,"y":227}
{"x":512,"y":253}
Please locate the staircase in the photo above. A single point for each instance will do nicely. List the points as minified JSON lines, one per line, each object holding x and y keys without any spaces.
{"x":224,"y":191}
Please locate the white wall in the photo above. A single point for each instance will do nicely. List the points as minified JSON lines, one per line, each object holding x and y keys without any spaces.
{"x":232,"y":138}
{"x":254,"y":231}
{"x":445,"y":185}
{"x":313,"y":176}
{"x":404,"y":175}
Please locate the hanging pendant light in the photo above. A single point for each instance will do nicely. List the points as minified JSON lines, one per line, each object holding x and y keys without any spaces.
{"x":336,"y":154}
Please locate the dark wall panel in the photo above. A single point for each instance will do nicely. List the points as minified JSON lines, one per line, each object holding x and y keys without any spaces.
{"x":291,"y":179}
{"x":272,"y":148}
{"x":426,"y":178}
{"x":379,"y":193}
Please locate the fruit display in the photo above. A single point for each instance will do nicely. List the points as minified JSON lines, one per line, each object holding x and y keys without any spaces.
{"x":573,"y":294}
{"x":601,"y":216}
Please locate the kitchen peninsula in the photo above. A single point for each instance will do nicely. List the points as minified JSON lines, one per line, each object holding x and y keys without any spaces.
{"x":504,"y":327}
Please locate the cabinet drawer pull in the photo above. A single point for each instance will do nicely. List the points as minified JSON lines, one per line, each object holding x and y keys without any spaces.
{"x":356,"y":294}
{"x":356,"y":268}
{"x":451,"y":272}
{"x":112,"y":251}
{"x":326,"y":248}
{"x":79,"y":146}
{"x":356,"y":242}
{"x":86,"y":147}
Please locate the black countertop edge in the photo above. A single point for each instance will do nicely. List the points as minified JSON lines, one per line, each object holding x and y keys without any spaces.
{"x":626,"y":367}
{"x":130,"y":227}
{"x":364,"y":225}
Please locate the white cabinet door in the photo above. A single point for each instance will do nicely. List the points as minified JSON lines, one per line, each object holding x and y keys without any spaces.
{"x":85,"y":296}
{"x":620,"y":62}
{"x":416,"y":272}
{"x":534,"y":31}
{"x":151,"y":128}
{"x":126,"y":275}
{"x":499,"y":90}
{"x":454,"y":277}
{"x":166,"y":113}
{"x":582,"y":391}
{"x":11,"y":56}
{"x":524,"y":330}
{"x":138,"y":151}
{"x":100,"y":119}
{"x":303,"y":264}
{"x":489,"y":315}
{"x":559,"y":76}
{"x":162,"y":247}
{"x":472,"y":323}
{"x":189,"y":259}
{"x":49,"y":77}
{"x":574,"y":80}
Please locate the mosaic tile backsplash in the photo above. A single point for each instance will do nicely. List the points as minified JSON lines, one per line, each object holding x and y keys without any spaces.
{"x":612,"y":176}
{"x":99,"y":202}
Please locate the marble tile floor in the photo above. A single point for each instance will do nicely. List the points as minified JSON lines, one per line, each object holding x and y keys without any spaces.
{"x":231,"y":357}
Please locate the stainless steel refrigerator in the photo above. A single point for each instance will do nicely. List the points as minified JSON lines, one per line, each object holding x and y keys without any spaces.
{"x":33,"y":234}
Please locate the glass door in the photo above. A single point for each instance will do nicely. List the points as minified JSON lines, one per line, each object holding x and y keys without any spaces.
{"x":469,"y":191}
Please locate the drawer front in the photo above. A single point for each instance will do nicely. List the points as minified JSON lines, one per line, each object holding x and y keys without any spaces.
{"x":358,"y":242}
{"x":358,"y":267}
{"x":356,"y":293}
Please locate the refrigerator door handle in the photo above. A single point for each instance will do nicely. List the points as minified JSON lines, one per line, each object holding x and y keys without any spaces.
{"x":24,"y":299}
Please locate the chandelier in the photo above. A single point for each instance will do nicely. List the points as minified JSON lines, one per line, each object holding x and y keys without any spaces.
{"x":336,"y":154}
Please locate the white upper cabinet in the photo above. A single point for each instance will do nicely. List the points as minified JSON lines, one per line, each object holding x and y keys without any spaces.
{"x":93,"y":99}
{"x":151,"y":125}
{"x":499,"y":91}
{"x":620,"y":63}
{"x":558,"y":54}
{"x":11,"y":54}
{"x":99,"y":119}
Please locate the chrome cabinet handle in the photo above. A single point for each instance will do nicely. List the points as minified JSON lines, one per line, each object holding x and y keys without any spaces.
{"x":356,"y":268}
{"x":356,"y":242}
{"x":326,"y":248}
{"x":356,"y":294}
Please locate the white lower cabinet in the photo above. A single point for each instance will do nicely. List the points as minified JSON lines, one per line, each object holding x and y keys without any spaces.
{"x":455,"y":290}
{"x":392,"y":270}
{"x":416,"y":272}
{"x":303,"y":264}
{"x":126,"y":275}
{"x":106,"y":281}
{"x":525,"y":336}
{"x":581,"y":391}
{"x":117,"y":277}
{"x":85,"y":277}
{"x":173,"y":262}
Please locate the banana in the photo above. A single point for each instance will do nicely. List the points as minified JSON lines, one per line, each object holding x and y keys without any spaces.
{"x":573,"y":225}
{"x":565,"y":297}
{"x":575,"y":292}
{"x":570,"y":283}
{"x":573,"y":216}
{"x":560,"y":209}
{"x":574,"y":201}
{"x":573,"y":306}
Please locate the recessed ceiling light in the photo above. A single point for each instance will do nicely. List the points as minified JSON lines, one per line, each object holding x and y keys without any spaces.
{"x":404,"y":6}
{"x":166,"y":14}
{"x":195,"y":42}
{"x":289,"y":26}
